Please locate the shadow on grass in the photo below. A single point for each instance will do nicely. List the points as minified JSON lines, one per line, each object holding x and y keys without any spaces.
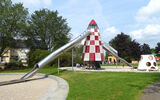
{"x":56,"y":73}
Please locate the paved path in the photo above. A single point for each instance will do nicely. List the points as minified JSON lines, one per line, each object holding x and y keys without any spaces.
{"x":152,"y":92}
{"x":40,"y":88}
{"x":106,"y":69}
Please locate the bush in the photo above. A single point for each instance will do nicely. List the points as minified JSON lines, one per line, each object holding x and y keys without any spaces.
{"x":66,"y":59}
{"x":128,"y":59}
{"x":78,"y":59}
{"x":36,"y":55}
{"x":14,"y":66}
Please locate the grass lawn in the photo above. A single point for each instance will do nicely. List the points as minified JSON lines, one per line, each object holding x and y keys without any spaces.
{"x":102,"y":85}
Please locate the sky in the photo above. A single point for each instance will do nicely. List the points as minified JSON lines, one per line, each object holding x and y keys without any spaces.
{"x":138,"y":18}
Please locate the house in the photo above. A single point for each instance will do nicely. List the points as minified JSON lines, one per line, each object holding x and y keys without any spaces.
{"x":5,"y":57}
{"x":15,"y":54}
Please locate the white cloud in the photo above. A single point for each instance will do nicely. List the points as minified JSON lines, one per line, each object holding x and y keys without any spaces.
{"x":148,"y":20}
{"x":111,"y":30}
{"x":79,"y":13}
{"x":150,"y":12}
{"x":35,"y":4}
{"x":150,"y":34}
{"x":149,"y":30}
{"x":152,"y":8}
{"x":47,"y":3}
{"x":137,"y":34}
{"x":109,"y":33}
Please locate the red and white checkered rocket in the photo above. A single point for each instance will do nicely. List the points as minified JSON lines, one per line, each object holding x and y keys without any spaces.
{"x":93,"y":50}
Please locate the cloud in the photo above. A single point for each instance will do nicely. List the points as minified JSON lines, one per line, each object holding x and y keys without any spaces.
{"x":79,"y":13}
{"x":149,"y":30}
{"x":149,"y":12}
{"x":111,"y":30}
{"x":150,"y":34}
{"x":35,"y":4}
{"x":148,"y":21}
{"x":109,"y":33}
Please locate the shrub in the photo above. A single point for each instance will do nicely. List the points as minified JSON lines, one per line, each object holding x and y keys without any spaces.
{"x":14,"y":66}
{"x":78,"y":59}
{"x":36,"y":55}
{"x":128,"y":59}
{"x":66,"y":59}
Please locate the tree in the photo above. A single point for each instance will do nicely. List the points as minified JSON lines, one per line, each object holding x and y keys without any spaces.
{"x":145,"y":49}
{"x":77,"y":54}
{"x":157,"y":48}
{"x":127,"y":49}
{"x":47,"y":30}
{"x":152,"y":50}
{"x":12,"y":23}
{"x":121,"y":44}
{"x":134,"y":51}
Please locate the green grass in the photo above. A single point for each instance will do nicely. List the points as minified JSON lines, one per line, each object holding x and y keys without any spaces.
{"x":102,"y":85}
{"x":45,"y":70}
{"x":158,"y":63}
{"x":108,"y":85}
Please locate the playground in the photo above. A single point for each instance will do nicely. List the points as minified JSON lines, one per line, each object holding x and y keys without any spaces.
{"x":83,"y":82}
{"x":46,"y":53}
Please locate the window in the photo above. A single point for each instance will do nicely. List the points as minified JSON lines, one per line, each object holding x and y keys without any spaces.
{"x":3,"y":59}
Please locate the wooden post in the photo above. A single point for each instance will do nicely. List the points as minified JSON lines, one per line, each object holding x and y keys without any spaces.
{"x":58,"y":65}
{"x":72,"y":59}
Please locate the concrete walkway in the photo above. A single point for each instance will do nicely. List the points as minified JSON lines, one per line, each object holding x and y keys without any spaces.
{"x":39,"y":87}
{"x":152,"y":92}
{"x":105,"y":69}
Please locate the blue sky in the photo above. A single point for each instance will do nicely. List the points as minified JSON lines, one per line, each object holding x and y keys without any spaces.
{"x":138,"y":18}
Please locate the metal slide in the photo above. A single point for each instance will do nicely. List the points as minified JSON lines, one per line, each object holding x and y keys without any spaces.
{"x":114,"y":53}
{"x":49,"y":58}
{"x":55,"y":54}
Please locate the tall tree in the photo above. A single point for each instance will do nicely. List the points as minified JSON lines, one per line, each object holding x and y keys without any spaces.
{"x":145,"y":49}
{"x":12,"y":23}
{"x":47,"y":30}
{"x":127,"y":48}
{"x":152,"y":50}
{"x":121,"y":44}
{"x":157,"y":48}
{"x":134,"y":51}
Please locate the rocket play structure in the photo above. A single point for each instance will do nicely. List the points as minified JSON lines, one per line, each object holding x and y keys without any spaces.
{"x":93,"y":52}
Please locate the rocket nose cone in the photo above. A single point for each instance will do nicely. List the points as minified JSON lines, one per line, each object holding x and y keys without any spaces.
{"x":92,"y":22}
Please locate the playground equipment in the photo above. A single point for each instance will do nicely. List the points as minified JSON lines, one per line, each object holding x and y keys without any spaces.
{"x":93,"y":51}
{"x":61,"y":50}
{"x":55,"y":54}
{"x":148,"y":63}
{"x":114,"y":53}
